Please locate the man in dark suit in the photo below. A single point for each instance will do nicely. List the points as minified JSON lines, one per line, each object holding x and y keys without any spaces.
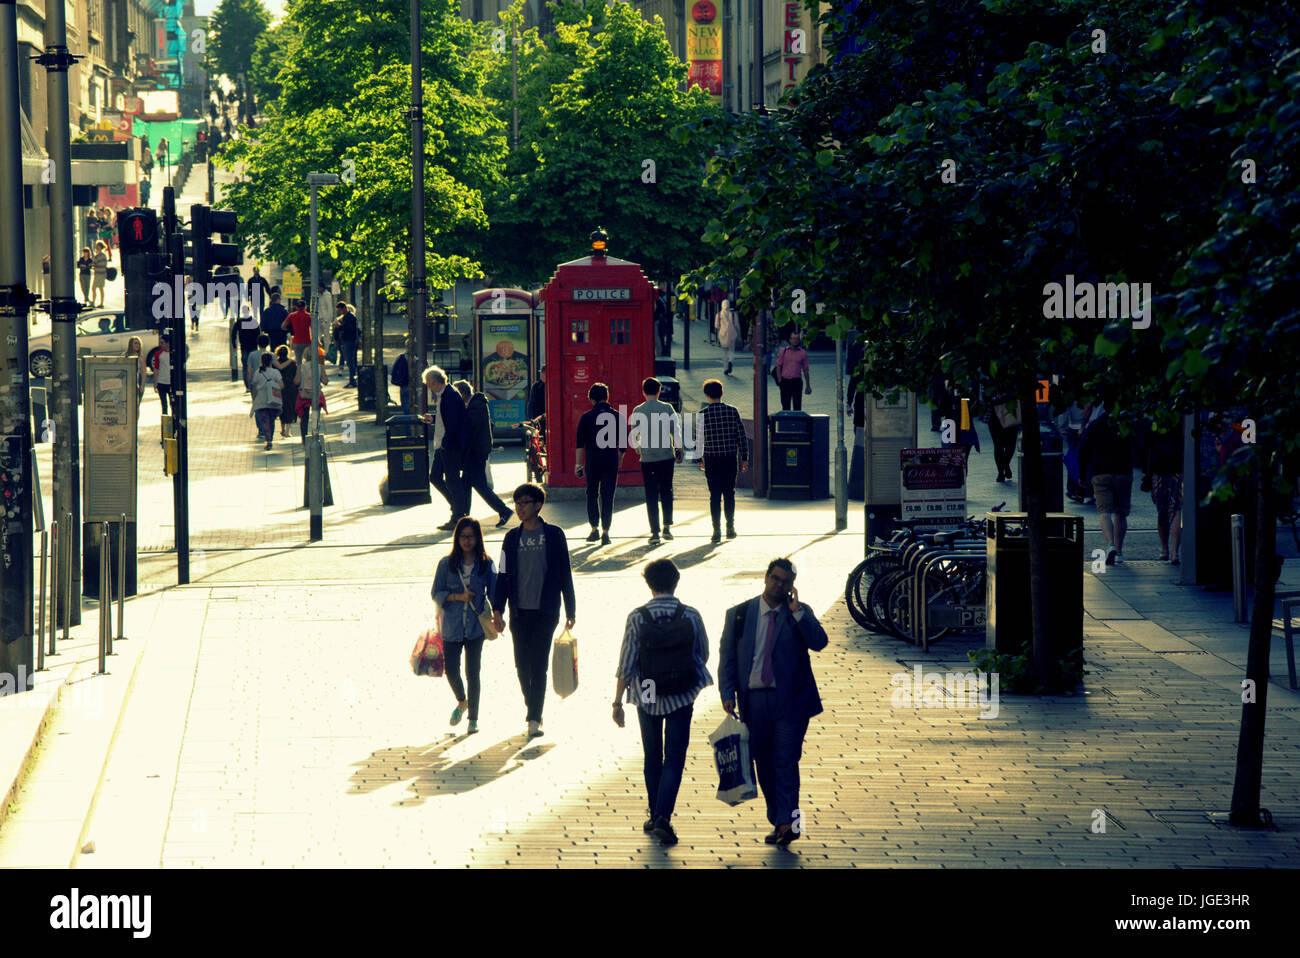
{"x":533,"y":574}
{"x":765,"y":665}
{"x":450,"y":437}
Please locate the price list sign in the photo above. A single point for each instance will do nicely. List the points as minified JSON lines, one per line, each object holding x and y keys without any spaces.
{"x":934,"y":486}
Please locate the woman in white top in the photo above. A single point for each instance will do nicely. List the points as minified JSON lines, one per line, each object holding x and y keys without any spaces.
{"x":267,"y":402}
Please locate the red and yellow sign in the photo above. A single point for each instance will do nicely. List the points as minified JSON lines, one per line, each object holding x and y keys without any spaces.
{"x":704,"y":49}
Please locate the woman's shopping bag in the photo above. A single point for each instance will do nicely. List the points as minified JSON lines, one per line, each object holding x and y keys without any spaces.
{"x":564,"y":665}
{"x":730,"y":742}
{"x":427,"y":657}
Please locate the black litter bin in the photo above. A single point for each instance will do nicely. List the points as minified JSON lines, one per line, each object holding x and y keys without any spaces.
{"x":670,"y":391}
{"x":366,"y":388}
{"x":1053,"y":468}
{"x":1008,"y":622}
{"x":408,"y":459}
{"x":790,"y":447}
{"x":665,"y":367}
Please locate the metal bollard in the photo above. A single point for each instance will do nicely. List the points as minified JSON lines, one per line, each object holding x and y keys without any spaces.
{"x":68,"y":533}
{"x":56,"y":543}
{"x":40,"y":619}
{"x":104,"y":606}
{"x":121,"y":576}
{"x":1239,"y":568}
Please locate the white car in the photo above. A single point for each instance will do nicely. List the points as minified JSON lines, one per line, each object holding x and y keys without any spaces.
{"x":100,"y":332}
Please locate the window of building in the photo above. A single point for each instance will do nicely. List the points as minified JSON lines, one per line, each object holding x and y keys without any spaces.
{"x":620,"y":332}
{"x":578,"y":330}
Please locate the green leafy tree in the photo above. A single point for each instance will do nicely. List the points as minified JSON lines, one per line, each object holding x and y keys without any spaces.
{"x":233,"y":33}
{"x":606,"y":138}
{"x":273,"y":49}
{"x":353,"y":122}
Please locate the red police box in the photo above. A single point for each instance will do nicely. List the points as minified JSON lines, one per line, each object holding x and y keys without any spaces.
{"x":599,"y":329}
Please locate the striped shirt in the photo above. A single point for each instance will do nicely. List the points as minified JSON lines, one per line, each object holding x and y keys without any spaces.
{"x":724,"y":433}
{"x":661,"y":606}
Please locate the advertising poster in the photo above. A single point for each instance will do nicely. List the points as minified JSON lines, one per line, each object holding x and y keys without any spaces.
{"x":704,"y":49}
{"x":934,"y":486}
{"x":503,"y":366}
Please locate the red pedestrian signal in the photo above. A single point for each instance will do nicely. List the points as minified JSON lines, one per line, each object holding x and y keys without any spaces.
{"x":138,"y":229}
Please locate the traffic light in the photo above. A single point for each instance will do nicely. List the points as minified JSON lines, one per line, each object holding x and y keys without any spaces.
{"x":205,"y":254}
{"x":201,"y":146}
{"x":138,"y":230}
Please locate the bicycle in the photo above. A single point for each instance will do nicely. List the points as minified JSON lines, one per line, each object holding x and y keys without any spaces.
{"x":535,"y":465}
{"x":882,"y":590}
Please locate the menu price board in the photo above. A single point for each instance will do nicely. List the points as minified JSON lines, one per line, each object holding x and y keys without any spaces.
{"x":934,"y":486}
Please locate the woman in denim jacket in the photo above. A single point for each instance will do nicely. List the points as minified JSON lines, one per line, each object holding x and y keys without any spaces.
{"x":461,"y":586}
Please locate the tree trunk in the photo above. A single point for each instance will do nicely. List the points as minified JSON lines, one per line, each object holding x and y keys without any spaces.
{"x":1044,"y":659}
{"x":1250,"y":742}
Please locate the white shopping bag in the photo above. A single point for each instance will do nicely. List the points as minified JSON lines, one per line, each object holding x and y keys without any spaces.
{"x":564,"y":665}
{"x":730,"y":742}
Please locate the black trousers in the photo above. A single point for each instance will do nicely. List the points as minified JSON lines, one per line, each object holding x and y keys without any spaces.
{"x":531,"y":632}
{"x":163,"y":392}
{"x":720,"y":474}
{"x":658,"y":478}
{"x":600,"y":495}
{"x":792,"y":393}
{"x":475,"y":478}
{"x":473,"y":662}
{"x":1004,"y":444}
{"x":444,"y":475}
{"x":664,"y":741}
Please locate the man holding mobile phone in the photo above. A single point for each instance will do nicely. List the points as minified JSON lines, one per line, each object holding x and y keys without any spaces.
{"x":766,"y":669}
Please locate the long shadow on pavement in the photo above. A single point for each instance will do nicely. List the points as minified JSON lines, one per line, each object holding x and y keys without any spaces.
{"x":430,"y":772}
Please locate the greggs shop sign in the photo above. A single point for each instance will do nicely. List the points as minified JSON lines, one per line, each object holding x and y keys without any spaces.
{"x":704,"y":49}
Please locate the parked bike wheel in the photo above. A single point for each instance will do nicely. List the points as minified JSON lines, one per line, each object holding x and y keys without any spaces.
{"x":878,"y":600}
{"x":855,"y":599}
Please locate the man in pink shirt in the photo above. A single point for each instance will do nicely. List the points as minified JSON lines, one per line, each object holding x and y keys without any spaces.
{"x":790,"y":362}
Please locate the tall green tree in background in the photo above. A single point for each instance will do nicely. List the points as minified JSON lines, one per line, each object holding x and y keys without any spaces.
{"x":606,"y":138}
{"x":233,"y":32}
{"x":351,"y":119}
{"x":269,"y":55}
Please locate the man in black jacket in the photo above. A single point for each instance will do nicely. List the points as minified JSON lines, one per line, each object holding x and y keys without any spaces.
{"x":450,"y":436}
{"x":533,"y":574}
{"x":349,"y":332}
{"x":474,"y":469}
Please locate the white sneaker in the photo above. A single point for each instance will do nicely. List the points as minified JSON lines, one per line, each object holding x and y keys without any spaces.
{"x":534,"y":730}
{"x":1119,"y":558}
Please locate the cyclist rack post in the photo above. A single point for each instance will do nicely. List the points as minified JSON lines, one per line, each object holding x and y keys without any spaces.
{"x":972,"y":563}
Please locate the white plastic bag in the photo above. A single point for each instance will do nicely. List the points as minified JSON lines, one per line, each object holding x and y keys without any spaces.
{"x":730,"y":742}
{"x":564,"y":665}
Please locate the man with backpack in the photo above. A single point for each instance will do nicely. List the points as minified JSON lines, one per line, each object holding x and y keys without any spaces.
{"x":662,"y":667}
{"x":767,"y":671}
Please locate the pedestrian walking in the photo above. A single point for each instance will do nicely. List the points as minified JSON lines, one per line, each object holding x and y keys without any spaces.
{"x":146,"y":188}
{"x":662,"y":667}
{"x":1004,"y":427}
{"x":272,"y":321}
{"x":1106,"y":460}
{"x":601,"y":441}
{"x":450,"y":435}
{"x":401,"y":378}
{"x":348,"y":332}
{"x":288,"y":370}
{"x":1071,"y":424}
{"x":253,"y":362}
{"x":268,"y":400}
{"x":766,"y":672}
{"x":1163,"y":478}
{"x":85,"y":266}
{"x":537,"y":396}
{"x":655,"y":432}
{"x":258,"y":291}
{"x":107,"y":223}
{"x":100,"y":270}
{"x":461,"y":586}
{"x":163,"y":153}
{"x":663,"y":324}
{"x":136,"y":348}
{"x":478,"y":449}
{"x":728,"y":334}
{"x":304,"y":403}
{"x":299,"y":321}
{"x":533,"y":575}
{"x":724,"y":441}
{"x":162,"y":370}
{"x":791,"y":360}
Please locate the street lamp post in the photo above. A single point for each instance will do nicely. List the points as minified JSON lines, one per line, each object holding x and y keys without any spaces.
{"x":315,"y":442}
{"x":841,"y":454}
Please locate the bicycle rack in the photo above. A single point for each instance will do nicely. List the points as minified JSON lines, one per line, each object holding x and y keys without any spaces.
{"x":969,"y":616}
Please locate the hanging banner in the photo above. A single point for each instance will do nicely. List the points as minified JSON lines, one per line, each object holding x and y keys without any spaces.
{"x":704,"y":49}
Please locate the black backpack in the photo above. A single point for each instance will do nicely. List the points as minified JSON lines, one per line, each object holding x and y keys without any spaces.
{"x":666,"y":652}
